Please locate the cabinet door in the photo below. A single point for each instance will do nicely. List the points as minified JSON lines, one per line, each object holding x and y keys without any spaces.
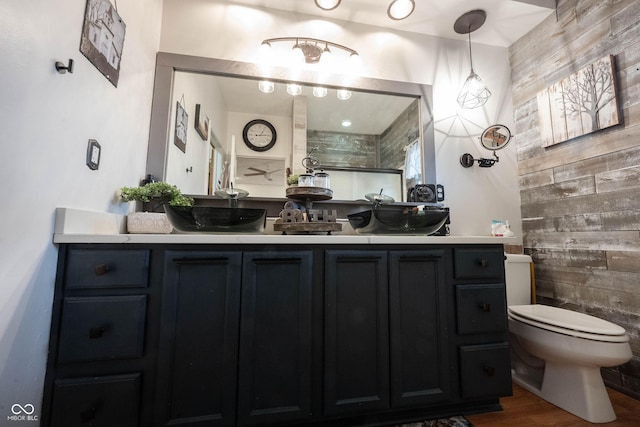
{"x":417,"y":305}
{"x":276,"y":337}
{"x":356,"y":331}
{"x":199,"y":339}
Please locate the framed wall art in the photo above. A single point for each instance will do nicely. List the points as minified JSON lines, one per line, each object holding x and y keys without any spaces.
{"x":202,"y":123}
{"x":102,"y":38}
{"x":182,"y":120}
{"x":582,"y":103}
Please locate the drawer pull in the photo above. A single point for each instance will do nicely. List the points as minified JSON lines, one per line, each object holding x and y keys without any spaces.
{"x":95,"y":333}
{"x":484,"y":263}
{"x":485,"y":307}
{"x":102,"y":269}
{"x":490,"y":371}
{"x":88,"y":415}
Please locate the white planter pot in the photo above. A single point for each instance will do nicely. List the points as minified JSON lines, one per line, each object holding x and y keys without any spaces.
{"x":148,"y":223}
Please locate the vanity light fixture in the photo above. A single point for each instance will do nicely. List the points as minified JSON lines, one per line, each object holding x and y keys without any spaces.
{"x":309,"y":49}
{"x":343,"y":94}
{"x":400,"y":9}
{"x":327,"y":4}
{"x":294,"y":89}
{"x":266,"y":86}
{"x":319,"y":91}
{"x":474,"y":92}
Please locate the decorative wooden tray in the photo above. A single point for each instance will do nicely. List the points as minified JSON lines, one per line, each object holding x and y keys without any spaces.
{"x":307,"y":227}
{"x":313,"y":194}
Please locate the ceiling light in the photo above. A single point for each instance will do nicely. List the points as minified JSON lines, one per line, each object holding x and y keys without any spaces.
{"x":474,"y":92}
{"x":266,"y":86}
{"x":346,"y":123}
{"x":309,"y":49}
{"x":400,"y":9}
{"x":327,"y":4}
{"x":294,"y":89}
{"x":343,"y":94}
{"x":319,"y":92}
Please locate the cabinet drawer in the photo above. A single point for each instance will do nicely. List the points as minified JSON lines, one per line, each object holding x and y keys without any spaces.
{"x":101,"y":328}
{"x":485,"y":370}
{"x":107,"y":268}
{"x":478,"y":263}
{"x":96,"y":401}
{"x":481,"y":308}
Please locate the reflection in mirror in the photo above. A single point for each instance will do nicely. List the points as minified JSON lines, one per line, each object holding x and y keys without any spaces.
{"x":495,"y":137}
{"x":391,"y":126}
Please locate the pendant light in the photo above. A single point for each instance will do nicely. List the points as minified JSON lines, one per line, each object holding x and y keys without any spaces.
{"x":474,"y":92}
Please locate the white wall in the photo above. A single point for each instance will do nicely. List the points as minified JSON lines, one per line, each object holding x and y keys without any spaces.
{"x":46,"y":119}
{"x":219,"y":29}
{"x":191,"y":89}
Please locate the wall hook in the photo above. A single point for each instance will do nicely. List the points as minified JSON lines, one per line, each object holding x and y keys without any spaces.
{"x":190,"y":169}
{"x":61,"y":68}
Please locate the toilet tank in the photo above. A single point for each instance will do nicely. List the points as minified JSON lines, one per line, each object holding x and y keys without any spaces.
{"x":517,"y":272}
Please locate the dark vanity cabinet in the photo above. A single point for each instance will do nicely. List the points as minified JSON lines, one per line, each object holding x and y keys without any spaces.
{"x":481,"y":340}
{"x":245,"y":335}
{"x":236,"y":337}
{"x":385,"y":329}
{"x":99,"y":370}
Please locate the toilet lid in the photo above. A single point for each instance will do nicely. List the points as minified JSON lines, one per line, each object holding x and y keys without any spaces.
{"x":568,"y":322}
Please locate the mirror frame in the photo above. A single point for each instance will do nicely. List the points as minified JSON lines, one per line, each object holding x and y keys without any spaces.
{"x":168,"y":63}
{"x":485,"y":137}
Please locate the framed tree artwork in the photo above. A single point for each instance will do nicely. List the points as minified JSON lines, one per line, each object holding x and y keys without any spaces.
{"x":584,"y":102}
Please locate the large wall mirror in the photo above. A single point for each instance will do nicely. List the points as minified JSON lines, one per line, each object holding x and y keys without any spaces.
{"x":389,"y":143}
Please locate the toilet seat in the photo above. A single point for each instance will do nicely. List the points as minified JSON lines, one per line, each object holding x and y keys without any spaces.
{"x":568,"y":322}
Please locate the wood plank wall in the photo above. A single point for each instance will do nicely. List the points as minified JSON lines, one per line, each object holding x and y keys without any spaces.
{"x":386,"y":150}
{"x":581,"y":198}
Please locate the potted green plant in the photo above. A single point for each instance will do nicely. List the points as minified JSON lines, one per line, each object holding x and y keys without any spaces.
{"x":152,"y":196}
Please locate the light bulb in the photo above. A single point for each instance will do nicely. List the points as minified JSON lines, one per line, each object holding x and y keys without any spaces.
{"x":266,"y":86}
{"x":319,"y":91}
{"x":343,"y":94}
{"x":298,"y":55}
{"x":327,"y":4}
{"x":400,"y":9}
{"x":294,"y":89}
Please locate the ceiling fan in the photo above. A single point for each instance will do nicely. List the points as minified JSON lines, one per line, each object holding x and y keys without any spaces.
{"x":266,"y":173}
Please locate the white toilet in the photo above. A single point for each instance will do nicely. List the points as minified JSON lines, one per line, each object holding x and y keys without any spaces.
{"x":556,"y":353}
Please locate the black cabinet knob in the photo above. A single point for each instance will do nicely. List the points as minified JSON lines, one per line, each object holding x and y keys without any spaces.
{"x":485,"y":307}
{"x":102,"y":269}
{"x":483,"y":262}
{"x":490,"y":371}
{"x":95,"y":333}
{"x":88,"y":415}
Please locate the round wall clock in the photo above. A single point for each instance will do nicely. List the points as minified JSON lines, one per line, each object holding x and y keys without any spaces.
{"x":259,"y":135}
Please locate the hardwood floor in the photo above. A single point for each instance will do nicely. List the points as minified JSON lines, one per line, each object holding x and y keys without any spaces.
{"x":525,"y":409}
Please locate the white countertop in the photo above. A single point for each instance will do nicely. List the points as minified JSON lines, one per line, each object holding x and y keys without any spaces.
{"x":78,"y":226}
